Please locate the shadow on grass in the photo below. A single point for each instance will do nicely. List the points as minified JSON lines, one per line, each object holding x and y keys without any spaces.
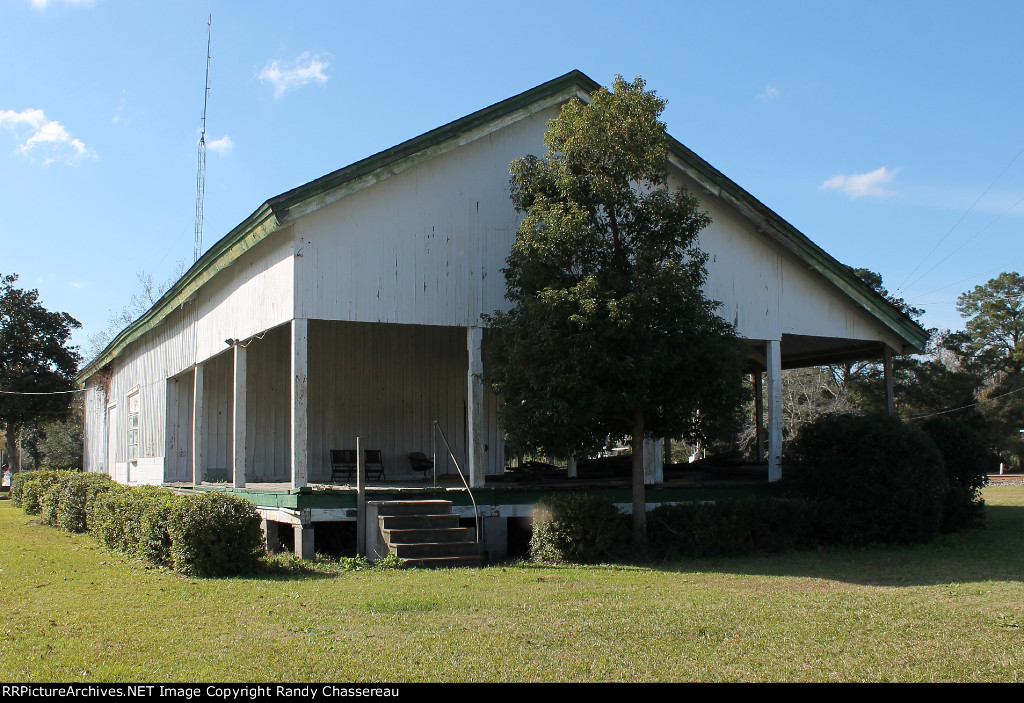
{"x":994,"y":552}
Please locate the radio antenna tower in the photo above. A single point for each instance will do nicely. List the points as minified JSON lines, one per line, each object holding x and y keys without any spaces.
{"x":201,"y":169}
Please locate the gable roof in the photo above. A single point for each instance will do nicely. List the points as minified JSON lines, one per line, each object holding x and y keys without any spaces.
{"x":289,"y":206}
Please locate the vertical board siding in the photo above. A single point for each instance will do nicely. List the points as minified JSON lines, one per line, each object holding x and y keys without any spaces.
{"x":268,"y":407}
{"x":387,"y":384}
{"x":94,"y":440}
{"x":218,"y":376}
{"x":423,"y":247}
{"x":178,"y":461}
{"x":146,"y":366}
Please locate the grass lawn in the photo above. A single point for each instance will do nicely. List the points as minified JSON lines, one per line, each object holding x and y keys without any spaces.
{"x":949,"y":611}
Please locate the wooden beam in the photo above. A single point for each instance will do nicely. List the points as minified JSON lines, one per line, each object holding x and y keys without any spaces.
{"x":300,"y":403}
{"x":758,"y":379}
{"x":774,"y":409}
{"x":890,"y":403}
{"x":238,"y":417}
{"x":475,"y":406}
{"x":197,"y":425}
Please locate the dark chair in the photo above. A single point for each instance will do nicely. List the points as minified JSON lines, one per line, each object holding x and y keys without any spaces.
{"x":418,"y":461}
{"x":343,"y":465}
{"x":374,"y":465}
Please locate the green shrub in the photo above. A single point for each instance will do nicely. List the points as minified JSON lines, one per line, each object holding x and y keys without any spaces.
{"x":33,"y":487}
{"x":577,"y":528}
{"x":75,"y":491}
{"x":107,"y":518}
{"x":967,"y":466}
{"x":872,"y":478}
{"x":215,"y":534}
{"x":134,"y":521}
{"x":727,"y":528}
{"x":17,"y":486}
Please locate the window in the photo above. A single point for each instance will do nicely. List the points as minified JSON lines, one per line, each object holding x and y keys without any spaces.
{"x":133,"y":426}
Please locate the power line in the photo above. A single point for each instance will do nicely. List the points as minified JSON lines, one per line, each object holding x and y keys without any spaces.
{"x":964,"y":407}
{"x":968,"y":241}
{"x":78,"y":390}
{"x":963,"y":280}
{"x":957,"y":224}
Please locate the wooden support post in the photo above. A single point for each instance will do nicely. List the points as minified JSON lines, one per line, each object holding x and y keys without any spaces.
{"x":890,"y":403}
{"x":361,"y":525}
{"x":238,"y":418}
{"x":475,"y":406}
{"x":758,"y":415}
{"x":654,"y":466}
{"x":300,"y":403}
{"x":774,"y":409}
{"x":197,"y":425}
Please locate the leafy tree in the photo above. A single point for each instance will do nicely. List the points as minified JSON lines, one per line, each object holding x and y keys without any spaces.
{"x":34,"y":358}
{"x":609,"y":331}
{"x":995,"y":324}
{"x":992,"y":347}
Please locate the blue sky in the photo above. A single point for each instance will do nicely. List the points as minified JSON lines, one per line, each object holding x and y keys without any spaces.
{"x":890,"y":133}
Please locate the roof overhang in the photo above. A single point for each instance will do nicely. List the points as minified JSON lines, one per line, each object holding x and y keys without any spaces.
{"x":293,"y":204}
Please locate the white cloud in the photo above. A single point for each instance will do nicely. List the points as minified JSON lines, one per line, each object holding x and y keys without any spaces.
{"x":770,"y":92}
{"x":302,"y":71}
{"x":221,"y":147}
{"x":43,"y":4}
{"x":857,"y":185}
{"x":78,"y":285}
{"x":46,"y":139}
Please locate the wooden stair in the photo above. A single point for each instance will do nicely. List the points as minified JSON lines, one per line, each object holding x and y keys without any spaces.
{"x":426,"y":534}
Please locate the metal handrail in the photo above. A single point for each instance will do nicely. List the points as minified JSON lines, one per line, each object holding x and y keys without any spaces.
{"x":476,"y":510}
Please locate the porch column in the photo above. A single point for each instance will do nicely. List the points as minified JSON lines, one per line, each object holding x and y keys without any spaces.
{"x":758,"y":414}
{"x":197,"y":425}
{"x":890,"y":404}
{"x":475,"y":406}
{"x":654,"y":466}
{"x":238,"y":418}
{"x":300,"y":403}
{"x":570,"y":466}
{"x":774,"y":409}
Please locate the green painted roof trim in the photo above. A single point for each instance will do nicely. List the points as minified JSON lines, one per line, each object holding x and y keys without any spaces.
{"x":255,"y":228}
{"x":288,"y":206}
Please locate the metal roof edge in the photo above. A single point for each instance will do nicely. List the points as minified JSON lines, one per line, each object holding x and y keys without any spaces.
{"x":279,"y":210}
{"x":225,"y":252}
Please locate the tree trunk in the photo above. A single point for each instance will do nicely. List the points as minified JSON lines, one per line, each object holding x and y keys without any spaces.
{"x":11,"y":434}
{"x":639,"y":490}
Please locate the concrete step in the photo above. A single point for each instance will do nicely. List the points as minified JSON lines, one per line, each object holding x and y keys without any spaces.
{"x":412,"y":522}
{"x":434,"y":549}
{"x":442,"y":562}
{"x":420,"y":536}
{"x":413,"y":507}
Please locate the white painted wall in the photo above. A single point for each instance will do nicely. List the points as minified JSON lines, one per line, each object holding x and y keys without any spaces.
{"x":423,"y":247}
{"x":765,"y":290}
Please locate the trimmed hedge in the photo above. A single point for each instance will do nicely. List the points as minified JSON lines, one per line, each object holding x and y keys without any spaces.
{"x":215,"y":534}
{"x":34,"y":486}
{"x":871,"y":478}
{"x":205,"y":534}
{"x":967,"y":466}
{"x":577,"y":528}
{"x":728,"y":528}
